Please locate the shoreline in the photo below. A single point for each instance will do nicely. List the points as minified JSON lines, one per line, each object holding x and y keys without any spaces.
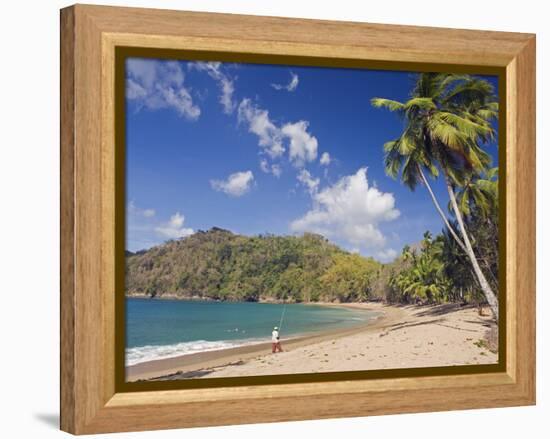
{"x":193,"y":364}
{"x":406,"y":336}
{"x":266,"y":301}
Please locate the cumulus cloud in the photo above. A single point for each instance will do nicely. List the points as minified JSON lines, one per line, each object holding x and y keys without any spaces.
{"x":302,"y":145}
{"x":158,"y":85}
{"x":259,"y":123}
{"x":236,"y":185}
{"x":291,"y":86}
{"x":350,"y":210}
{"x":225,"y":83}
{"x":308,"y":181}
{"x":174,"y":228}
{"x":325,"y":159}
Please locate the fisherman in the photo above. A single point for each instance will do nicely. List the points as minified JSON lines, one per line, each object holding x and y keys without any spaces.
{"x":275,"y":341}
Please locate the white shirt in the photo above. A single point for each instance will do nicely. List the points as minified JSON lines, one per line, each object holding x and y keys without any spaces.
{"x":275,"y":336}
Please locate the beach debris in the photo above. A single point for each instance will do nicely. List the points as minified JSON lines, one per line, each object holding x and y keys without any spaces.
{"x":482,"y":344}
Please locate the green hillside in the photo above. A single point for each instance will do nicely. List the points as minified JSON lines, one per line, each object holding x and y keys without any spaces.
{"x":220,"y":265}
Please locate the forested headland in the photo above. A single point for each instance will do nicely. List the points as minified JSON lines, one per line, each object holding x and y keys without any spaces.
{"x":220,"y":265}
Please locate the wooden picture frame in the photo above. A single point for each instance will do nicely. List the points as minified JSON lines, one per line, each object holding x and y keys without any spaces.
{"x":91,"y":402}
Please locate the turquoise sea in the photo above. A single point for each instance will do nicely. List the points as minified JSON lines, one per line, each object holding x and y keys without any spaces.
{"x":159,"y":328}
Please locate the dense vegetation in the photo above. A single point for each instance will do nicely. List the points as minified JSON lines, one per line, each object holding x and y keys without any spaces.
{"x":220,"y":265}
{"x":437,"y":269}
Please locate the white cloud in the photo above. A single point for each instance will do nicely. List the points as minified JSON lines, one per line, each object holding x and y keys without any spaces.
{"x":325,"y":159}
{"x":303,"y":146}
{"x":259,"y":123}
{"x":225,"y":83}
{"x":135,"y":90}
{"x":264,"y":166}
{"x":308,"y":181}
{"x":236,"y":185}
{"x":133,"y":210}
{"x":351,"y":211}
{"x":386,"y":255}
{"x":159,"y":84}
{"x":274,"y":169}
{"x":291,"y":86}
{"x":174,"y":228}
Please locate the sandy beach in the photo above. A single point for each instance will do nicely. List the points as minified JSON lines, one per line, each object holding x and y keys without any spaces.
{"x":402,"y":336}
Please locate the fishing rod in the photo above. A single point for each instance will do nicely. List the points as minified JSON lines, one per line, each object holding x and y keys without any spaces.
{"x":282,"y":316}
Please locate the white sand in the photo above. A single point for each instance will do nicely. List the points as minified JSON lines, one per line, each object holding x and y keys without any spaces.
{"x":421,"y":337}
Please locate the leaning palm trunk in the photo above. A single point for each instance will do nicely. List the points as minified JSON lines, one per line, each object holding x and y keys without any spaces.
{"x":485,"y":287}
{"x":438,"y":208}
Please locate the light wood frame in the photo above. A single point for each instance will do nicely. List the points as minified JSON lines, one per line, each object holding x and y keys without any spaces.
{"x":89,"y":36}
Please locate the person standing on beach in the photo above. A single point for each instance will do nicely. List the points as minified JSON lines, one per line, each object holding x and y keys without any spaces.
{"x":275,"y":341}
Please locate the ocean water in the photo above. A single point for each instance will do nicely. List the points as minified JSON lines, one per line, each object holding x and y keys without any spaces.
{"x":157,"y":329}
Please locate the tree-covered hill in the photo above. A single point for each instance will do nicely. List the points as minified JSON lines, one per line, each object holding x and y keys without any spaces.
{"x":221,"y":265}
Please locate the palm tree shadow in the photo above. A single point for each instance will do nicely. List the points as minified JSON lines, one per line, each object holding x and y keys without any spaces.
{"x":408,"y":324}
{"x":439,"y":310}
{"x":481,"y":322}
{"x":50,"y":419}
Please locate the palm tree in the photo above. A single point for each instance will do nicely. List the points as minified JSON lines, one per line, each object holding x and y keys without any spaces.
{"x":447,"y":118}
{"x":425,"y":278}
{"x":479,"y":193}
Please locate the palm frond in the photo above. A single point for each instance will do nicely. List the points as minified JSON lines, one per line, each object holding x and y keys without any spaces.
{"x":468,"y":127}
{"x":447,"y":81}
{"x":387,"y":103}
{"x":427,"y":84}
{"x":409,"y":173}
{"x":446,"y":133}
{"x":492,"y":173}
{"x":420,"y":103}
{"x":469,"y":91}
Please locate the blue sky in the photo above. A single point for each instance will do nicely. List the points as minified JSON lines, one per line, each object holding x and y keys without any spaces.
{"x":268,"y":149}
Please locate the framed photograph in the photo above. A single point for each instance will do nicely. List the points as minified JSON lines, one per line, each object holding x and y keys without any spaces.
{"x":268,"y":219}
